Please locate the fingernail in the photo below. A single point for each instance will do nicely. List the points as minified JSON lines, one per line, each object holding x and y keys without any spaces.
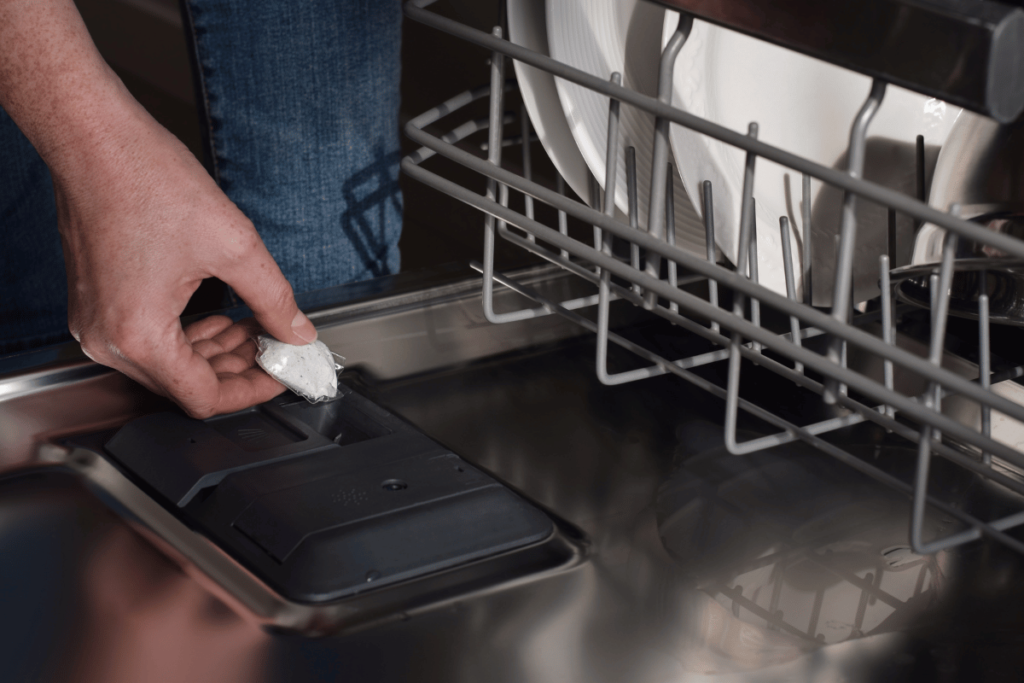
{"x":303,"y":328}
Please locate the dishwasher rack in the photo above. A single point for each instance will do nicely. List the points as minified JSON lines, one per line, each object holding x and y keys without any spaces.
{"x":736,"y":332}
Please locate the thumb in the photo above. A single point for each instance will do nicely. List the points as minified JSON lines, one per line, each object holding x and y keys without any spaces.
{"x":259,"y":282}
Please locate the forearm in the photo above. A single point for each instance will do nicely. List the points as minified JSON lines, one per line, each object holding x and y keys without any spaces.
{"x":56,"y":86}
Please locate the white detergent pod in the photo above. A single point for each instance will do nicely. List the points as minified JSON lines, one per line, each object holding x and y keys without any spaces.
{"x":309,"y":371}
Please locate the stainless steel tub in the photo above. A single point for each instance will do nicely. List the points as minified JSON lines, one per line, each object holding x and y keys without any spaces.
{"x":701,"y":566}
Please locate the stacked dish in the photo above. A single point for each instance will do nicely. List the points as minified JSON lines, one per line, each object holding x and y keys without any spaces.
{"x":801,"y":105}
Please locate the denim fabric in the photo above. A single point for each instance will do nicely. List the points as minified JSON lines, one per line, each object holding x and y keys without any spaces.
{"x":301,"y":103}
{"x":33,"y":285}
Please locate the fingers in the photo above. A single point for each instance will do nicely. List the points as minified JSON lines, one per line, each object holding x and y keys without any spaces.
{"x":214,"y":375}
{"x":235,"y":361}
{"x":230,"y":364}
{"x":231,"y":354}
{"x":258,"y":280}
{"x":238,"y":391}
{"x":227,"y":339}
{"x":207,"y":328}
{"x":202,"y":391}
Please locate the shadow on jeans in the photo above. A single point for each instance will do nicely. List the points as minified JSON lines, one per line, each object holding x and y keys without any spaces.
{"x":369,"y":196}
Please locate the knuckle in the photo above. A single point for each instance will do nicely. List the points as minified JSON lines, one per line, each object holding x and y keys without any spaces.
{"x":93,"y":349}
{"x":279,"y":296}
{"x":104,"y":351}
{"x":207,"y":348}
{"x":241,"y":244}
{"x":130,"y":342}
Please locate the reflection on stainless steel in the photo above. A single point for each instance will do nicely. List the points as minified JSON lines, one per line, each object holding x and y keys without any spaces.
{"x":442,"y":327}
{"x":88,"y":600}
{"x":1001,"y":279}
{"x":650,"y":605}
{"x":796,"y":549}
{"x":980,"y":167}
{"x":928,"y":245}
{"x":979,"y":269}
{"x":648,"y":617}
{"x":980,"y":170}
{"x":1002,"y":428}
{"x":141,"y":613}
{"x":92,"y":398}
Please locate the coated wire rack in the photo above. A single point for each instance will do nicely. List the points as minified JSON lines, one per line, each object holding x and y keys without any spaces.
{"x":812,"y":347}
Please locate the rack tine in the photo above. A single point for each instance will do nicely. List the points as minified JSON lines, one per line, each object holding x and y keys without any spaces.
{"x":634,"y":220}
{"x":670,"y":229}
{"x":611,"y":157}
{"x":746,"y":208}
{"x":933,"y":296}
{"x":940,"y":286}
{"x":594,"y":201}
{"x":787,"y":261}
{"x":842,"y":347}
{"x":524,"y":124}
{"x":891,"y":249}
{"x":593,"y":194}
{"x":611,"y":168}
{"x":739,"y":301}
{"x":842,"y":364}
{"x":611,"y":164}
{"x":494,"y":135}
{"x":563,"y":221}
{"x":709,"y":242}
{"x":631,"y":195}
{"x":922,"y":191}
{"x":805,"y":214}
{"x":755,"y":305}
{"x":842,"y":288}
{"x":887,"y":326}
{"x":496,"y":121}
{"x":984,"y":363}
{"x":659,"y":157}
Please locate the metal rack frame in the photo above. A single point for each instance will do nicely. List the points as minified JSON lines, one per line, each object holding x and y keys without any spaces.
{"x":737,"y":335}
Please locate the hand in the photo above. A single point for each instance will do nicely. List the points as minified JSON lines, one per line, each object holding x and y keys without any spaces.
{"x":141,"y":221}
{"x":140,"y":231}
{"x":230,"y":349}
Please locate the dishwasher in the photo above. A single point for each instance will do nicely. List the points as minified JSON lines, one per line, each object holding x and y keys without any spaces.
{"x":626,"y":462}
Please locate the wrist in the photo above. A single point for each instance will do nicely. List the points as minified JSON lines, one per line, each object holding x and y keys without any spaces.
{"x":57,"y":88}
{"x":91,"y":131}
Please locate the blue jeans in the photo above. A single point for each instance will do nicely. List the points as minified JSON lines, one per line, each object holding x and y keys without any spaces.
{"x":300,"y":103}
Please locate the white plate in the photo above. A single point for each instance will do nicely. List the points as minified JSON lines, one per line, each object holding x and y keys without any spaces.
{"x":804,"y":106}
{"x":527,"y":26}
{"x":602,"y":37}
